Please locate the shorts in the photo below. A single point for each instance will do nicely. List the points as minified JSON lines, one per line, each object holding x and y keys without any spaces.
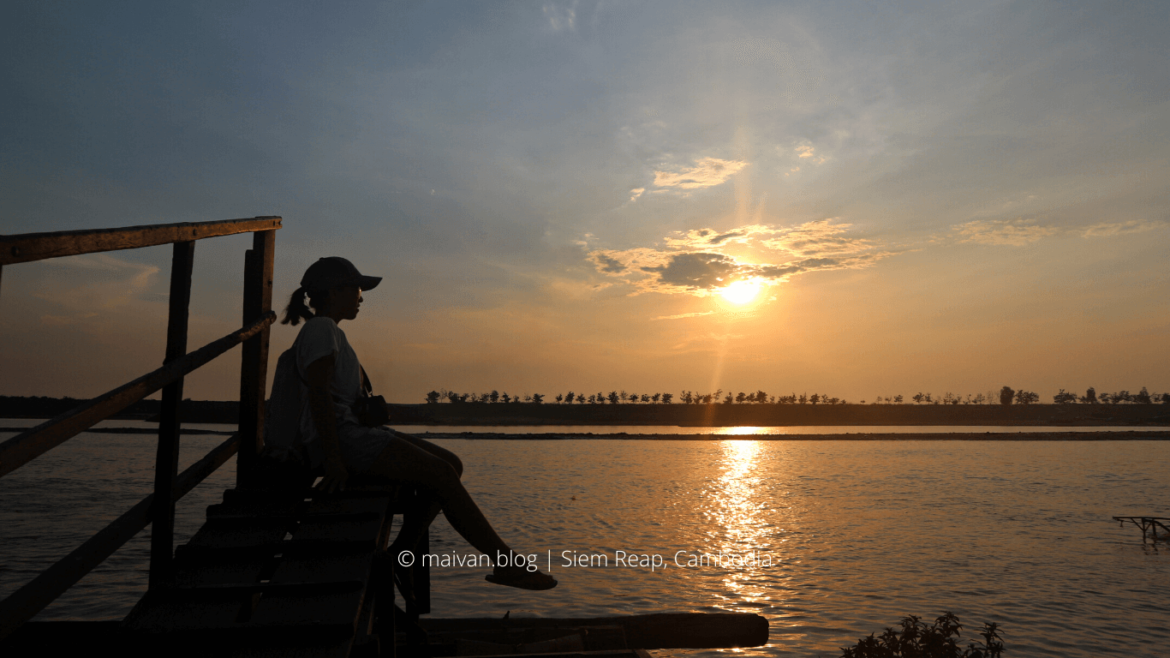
{"x":360,"y":446}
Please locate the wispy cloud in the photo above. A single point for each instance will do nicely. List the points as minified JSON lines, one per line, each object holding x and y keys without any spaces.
{"x":636,"y":192}
{"x":707,"y":172}
{"x":1023,"y":231}
{"x":561,"y":17}
{"x":808,"y":152}
{"x":705,"y":238}
{"x":1010,"y":232}
{"x":682,"y":316}
{"x":703,"y":261}
{"x":109,"y":283}
{"x":819,"y":238}
{"x":1105,"y":230}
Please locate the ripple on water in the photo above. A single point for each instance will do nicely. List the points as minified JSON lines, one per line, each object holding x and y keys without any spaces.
{"x":859,"y":533}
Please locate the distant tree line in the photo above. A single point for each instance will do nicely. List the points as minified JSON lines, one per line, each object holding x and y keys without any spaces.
{"x":1006,"y":396}
{"x":1120,"y":397}
{"x":16,"y":406}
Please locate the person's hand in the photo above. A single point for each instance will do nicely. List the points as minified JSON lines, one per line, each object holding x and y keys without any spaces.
{"x":335,"y":476}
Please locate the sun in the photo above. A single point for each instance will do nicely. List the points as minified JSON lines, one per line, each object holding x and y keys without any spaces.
{"x":741,"y":292}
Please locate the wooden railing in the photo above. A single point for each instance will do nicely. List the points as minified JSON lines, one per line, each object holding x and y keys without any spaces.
{"x":158,"y":508}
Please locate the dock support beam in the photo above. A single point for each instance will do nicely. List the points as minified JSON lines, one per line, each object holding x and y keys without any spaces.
{"x":254,"y":362}
{"x":166,"y":467}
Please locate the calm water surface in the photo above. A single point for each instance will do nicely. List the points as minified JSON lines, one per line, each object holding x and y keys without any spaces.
{"x":857,"y":533}
{"x":760,"y":431}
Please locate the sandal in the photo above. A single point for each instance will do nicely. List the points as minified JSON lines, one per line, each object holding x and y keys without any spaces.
{"x":531,"y":580}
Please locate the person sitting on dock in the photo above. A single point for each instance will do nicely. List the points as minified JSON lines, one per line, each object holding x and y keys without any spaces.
{"x":333,"y":436}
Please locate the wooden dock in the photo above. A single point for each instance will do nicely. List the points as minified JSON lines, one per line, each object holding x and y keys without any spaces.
{"x":276,"y":570}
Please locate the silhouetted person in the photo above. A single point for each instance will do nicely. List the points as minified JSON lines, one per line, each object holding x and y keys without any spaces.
{"x":333,"y":436}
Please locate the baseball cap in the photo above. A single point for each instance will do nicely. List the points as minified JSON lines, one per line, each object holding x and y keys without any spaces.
{"x":334,"y":271}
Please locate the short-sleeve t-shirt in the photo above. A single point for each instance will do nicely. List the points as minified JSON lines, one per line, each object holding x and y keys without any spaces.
{"x":319,"y":338}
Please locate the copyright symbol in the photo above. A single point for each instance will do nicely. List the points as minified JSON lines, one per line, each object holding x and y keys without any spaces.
{"x":406,"y":559}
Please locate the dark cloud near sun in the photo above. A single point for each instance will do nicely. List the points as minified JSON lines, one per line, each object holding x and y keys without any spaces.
{"x":609,"y":265}
{"x":697,"y":271}
{"x":723,"y":237}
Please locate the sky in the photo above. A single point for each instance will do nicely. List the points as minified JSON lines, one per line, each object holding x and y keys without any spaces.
{"x":857,"y":199}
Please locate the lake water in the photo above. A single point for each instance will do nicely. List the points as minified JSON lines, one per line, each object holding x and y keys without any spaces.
{"x":761,"y":431}
{"x":830,"y":540}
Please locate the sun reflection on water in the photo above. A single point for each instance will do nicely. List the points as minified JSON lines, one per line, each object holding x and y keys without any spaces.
{"x":738,"y":524}
{"x":741,"y":431}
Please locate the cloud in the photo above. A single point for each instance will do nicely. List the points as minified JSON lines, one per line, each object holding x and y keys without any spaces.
{"x":703,"y":261}
{"x":707,"y":172}
{"x":608,"y":264}
{"x":93,"y":282}
{"x":704,"y":238}
{"x":1105,"y":230}
{"x":818,"y":238}
{"x":682,"y":316}
{"x":1011,"y":232}
{"x":561,"y":18}
{"x":697,"y":271}
{"x":636,"y":192}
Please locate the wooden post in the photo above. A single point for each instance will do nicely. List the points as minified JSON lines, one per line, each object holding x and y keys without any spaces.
{"x":166,"y":465}
{"x":254,"y":361}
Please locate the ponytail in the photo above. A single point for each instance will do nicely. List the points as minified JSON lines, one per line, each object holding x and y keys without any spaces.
{"x":296,"y":309}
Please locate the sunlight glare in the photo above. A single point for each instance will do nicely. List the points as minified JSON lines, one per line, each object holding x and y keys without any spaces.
{"x":741,"y":292}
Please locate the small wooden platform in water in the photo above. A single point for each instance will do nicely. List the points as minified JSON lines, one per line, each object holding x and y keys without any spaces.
{"x":1149,"y":526}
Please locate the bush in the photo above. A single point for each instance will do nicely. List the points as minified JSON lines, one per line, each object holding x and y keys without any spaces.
{"x":917,"y":640}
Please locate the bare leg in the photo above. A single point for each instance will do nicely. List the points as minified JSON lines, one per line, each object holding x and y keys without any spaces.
{"x":406,"y":461}
{"x":416,"y":523}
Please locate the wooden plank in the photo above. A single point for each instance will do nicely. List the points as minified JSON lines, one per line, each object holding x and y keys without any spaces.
{"x":219,"y":570}
{"x":240,"y":641}
{"x":26,"y":602}
{"x":24,"y":447}
{"x":338,"y":530}
{"x":271,"y":507}
{"x":654,"y":631}
{"x":75,"y":638}
{"x":220,"y":533}
{"x":38,"y":246}
{"x":166,"y":464}
{"x":162,"y":611}
{"x":296,"y":588}
{"x":264,"y":496}
{"x":618,"y":653}
{"x":323,"y":569}
{"x":345,"y":504}
{"x":341,"y":609}
{"x":254,"y":356}
{"x":63,"y":638}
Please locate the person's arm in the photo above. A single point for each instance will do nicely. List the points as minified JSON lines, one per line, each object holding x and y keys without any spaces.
{"x":319,"y":377}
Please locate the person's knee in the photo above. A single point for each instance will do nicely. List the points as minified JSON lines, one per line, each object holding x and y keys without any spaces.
{"x":447,"y":479}
{"x":457,"y":464}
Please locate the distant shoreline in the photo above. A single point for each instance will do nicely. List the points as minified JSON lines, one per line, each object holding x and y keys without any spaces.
{"x":490,"y":416}
{"x":1044,"y":435}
